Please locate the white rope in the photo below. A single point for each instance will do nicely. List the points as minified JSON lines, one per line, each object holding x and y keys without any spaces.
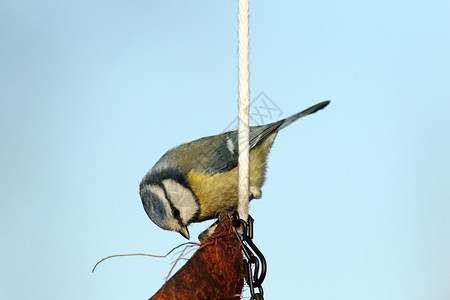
{"x":243,"y":106}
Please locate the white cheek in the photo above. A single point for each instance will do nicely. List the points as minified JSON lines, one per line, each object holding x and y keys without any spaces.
{"x":182,"y":198}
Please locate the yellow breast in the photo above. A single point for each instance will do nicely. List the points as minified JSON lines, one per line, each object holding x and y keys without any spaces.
{"x":219,"y":192}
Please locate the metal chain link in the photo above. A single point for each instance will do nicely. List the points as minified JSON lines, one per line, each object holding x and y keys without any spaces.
{"x":254,"y":259}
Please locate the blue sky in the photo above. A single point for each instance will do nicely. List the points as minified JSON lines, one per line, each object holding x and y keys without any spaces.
{"x":357,"y":201}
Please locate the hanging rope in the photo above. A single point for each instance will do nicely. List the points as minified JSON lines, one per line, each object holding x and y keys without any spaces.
{"x":243,"y":106}
{"x":253,"y":257}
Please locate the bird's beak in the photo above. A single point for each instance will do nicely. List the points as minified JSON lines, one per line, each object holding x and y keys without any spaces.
{"x":184,"y":232}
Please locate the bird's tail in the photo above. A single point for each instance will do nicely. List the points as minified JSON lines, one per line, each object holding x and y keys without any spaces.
{"x":308,"y":111}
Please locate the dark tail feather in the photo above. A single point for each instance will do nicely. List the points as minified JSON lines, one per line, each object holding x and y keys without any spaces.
{"x":308,"y":111}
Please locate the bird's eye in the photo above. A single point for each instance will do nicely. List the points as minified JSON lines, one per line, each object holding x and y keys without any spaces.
{"x":175,"y":212}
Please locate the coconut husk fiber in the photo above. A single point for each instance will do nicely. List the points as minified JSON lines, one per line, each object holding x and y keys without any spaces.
{"x":215,"y":271}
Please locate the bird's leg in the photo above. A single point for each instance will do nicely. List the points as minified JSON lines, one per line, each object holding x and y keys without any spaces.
{"x":255,"y":192}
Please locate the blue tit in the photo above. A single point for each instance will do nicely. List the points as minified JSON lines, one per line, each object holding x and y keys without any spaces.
{"x":198,"y":180}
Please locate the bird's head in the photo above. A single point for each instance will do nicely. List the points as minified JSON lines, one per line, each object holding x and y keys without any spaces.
{"x":168,"y":199}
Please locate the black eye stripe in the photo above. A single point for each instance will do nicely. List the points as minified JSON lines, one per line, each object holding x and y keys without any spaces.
{"x":173,"y":209}
{"x":176,"y":213}
{"x":166,"y":195}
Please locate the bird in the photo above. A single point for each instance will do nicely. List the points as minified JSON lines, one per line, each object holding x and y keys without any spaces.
{"x":198,"y":180}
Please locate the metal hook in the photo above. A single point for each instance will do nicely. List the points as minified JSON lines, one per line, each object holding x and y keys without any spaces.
{"x":256,"y":278}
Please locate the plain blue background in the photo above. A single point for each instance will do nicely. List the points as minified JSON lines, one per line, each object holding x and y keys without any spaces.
{"x":357,"y":201}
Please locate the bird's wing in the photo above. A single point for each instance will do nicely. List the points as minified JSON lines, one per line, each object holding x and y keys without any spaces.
{"x":219,"y":154}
